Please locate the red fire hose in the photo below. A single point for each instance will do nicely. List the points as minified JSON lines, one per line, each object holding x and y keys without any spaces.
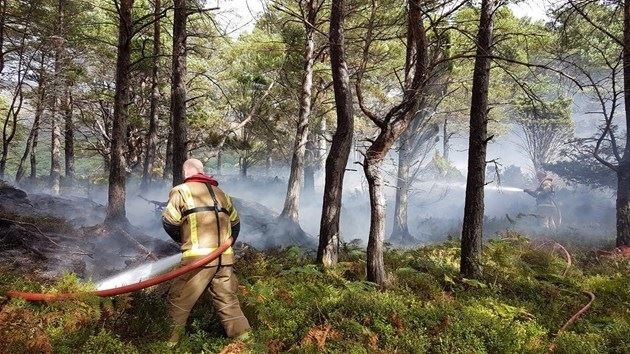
{"x":127,"y":288}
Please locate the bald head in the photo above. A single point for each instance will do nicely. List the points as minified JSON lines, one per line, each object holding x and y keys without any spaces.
{"x":192,"y":167}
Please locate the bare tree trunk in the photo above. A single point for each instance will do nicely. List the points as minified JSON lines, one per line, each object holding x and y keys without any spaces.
{"x":55,"y":139}
{"x":117,"y":173}
{"x":152,"y":136}
{"x":31,"y":142}
{"x":309,"y":168}
{"x":623,"y":170}
{"x":292,"y":201}
{"x":400,"y":232}
{"x":623,"y":204}
{"x":392,"y":126}
{"x":168,"y":158}
{"x":33,"y":174}
{"x":337,"y":160}
{"x":178,"y":90}
{"x":446,"y":140}
{"x":472,"y":231}
{"x":372,"y":168}
{"x":321,"y":145}
{"x":3,"y":17}
{"x":69,"y":133}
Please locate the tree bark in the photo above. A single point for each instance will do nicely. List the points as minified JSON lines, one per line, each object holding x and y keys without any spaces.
{"x":472,"y":230}
{"x":309,"y":168}
{"x":152,"y":136}
{"x":392,"y":126}
{"x":178,"y":90}
{"x":400,"y":232}
{"x":69,"y":134}
{"x":117,"y":173}
{"x":623,"y":170}
{"x":55,"y":138}
{"x":31,"y":142}
{"x":446,"y":140}
{"x":337,"y":160}
{"x":623,"y":204}
{"x":292,"y":201}
{"x":168,"y":157}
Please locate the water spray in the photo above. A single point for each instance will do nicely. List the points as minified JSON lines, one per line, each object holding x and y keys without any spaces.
{"x":118,"y":281}
{"x":458,"y":185}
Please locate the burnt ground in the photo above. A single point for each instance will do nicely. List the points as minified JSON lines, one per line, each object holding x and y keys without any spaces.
{"x":47,"y":236}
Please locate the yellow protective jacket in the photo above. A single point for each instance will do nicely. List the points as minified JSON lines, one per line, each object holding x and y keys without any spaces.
{"x":190,"y":218}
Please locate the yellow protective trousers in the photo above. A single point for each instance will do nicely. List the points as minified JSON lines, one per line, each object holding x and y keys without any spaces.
{"x":221,"y":284}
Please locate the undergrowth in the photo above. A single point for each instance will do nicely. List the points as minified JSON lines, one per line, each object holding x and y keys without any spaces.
{"x":526,"y":295}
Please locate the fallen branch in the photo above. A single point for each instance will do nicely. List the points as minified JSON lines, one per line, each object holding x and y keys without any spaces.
{"x":21,"y":223}
{"x":138,"y":245}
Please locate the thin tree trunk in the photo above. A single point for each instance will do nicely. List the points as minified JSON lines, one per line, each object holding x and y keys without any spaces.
{"x":3,"y":17}
{"x":168,"y":158}
{"x":117,"y":175}
{"x":472,"y":230}
{"x":309,"y":168}
{"x":321,"y":145}
{"x":400,"y":232}
{"x":33,"y":174}
{"x":152,"y":136}
{"x":178,"y":90}
{"x":623,"y":170}
{"x":55,"y":138}
{"x":292,"y":201}
{"x":69,"y":134}
{"x":623,"y":204}
{"x":372,"y":169}
{"x":392,"y":126}
{"x":31,"y":142}
{"x":337,"y":160}
{"x":446,"y":140}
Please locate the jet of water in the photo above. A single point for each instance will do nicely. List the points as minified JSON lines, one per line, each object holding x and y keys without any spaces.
{"x":487,"y":187}
{"x":140,"y":273}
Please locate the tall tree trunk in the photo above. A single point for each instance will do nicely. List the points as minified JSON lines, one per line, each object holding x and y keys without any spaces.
{"x":472,"y":230}
{"x":69,"y":133}
{"x":392,"y":126}
{"x":117,"y":173}
{"x":446,"y":140}
{"x":292,"y":201}
{"x":152,"y":136}
{"x":3,"y":18}
{"x":321,"y":145}
{"x":623,"y":170}
{"x":337,"y":160}
{"x":372,"y":168}
{"x":31,"y":142}
{"x":178,"y":90}
{"x":623,"y":204}
{"x":309,"y":168}
{"x":55,"y":138}
{"x":168,"y":157}
{"x":400,"y":232}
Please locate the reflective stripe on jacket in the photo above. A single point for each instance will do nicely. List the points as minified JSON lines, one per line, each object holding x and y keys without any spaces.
{"x":198,"y":230}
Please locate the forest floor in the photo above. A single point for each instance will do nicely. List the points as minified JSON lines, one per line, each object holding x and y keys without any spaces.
{"x":523,"y":302}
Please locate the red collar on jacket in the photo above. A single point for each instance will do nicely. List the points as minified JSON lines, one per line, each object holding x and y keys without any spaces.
{"x":202,"y":178}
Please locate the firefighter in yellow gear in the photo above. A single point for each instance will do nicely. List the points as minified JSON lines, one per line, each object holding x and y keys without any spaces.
{"x":200,"y":217}
{"x":547,"y":209}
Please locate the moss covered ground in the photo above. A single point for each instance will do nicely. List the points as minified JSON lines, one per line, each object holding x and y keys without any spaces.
{"x":528,"y":292}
